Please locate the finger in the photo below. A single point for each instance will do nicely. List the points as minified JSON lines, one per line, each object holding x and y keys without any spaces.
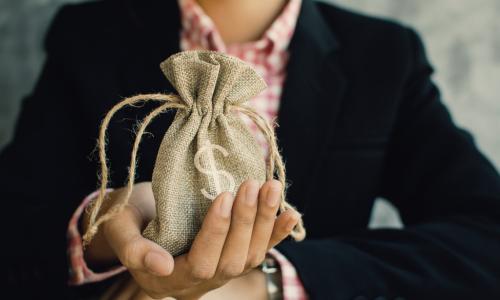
{"x":134,"y":251}
{"x":283,"y":226}
{"x":206,"y":249}
{"x":269,"y":199}
{"x":234,"y":255}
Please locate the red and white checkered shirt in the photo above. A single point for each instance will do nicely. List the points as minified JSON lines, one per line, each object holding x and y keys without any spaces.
{"x":269,"y":56}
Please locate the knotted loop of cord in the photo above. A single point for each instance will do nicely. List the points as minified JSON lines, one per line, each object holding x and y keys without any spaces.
{"x":275,"y":164}
{"x":171,"y":101}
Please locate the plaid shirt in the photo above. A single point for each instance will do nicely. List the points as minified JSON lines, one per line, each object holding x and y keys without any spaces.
{"x":269,"y":57}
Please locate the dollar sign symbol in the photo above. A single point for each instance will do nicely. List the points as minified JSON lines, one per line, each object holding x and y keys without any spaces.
{"x":211,"y":171}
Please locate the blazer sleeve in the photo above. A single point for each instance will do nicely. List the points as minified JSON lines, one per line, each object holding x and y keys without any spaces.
{"x":44,"y":171}
{"x":448,"y":195}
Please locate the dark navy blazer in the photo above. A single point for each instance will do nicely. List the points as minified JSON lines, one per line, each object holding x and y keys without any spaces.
{"x":360,"y":118}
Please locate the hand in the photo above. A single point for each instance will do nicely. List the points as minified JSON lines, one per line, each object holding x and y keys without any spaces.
{"x":251,"y":286}
{"x":234,"y":237}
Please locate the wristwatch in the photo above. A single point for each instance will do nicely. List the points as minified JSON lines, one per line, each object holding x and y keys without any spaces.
{"x":271,"y":269}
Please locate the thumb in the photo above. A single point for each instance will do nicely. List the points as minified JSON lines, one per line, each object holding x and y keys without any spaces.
{"x":143,"y":254}
{"x":123,"y":234}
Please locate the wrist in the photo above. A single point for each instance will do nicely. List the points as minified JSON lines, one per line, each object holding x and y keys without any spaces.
{"x":99,"y":253}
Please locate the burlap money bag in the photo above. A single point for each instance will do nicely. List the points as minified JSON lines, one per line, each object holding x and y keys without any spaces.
{"x":206,"y":150}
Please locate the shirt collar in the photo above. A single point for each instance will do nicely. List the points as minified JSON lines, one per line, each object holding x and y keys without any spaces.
{"x":203,"y":32}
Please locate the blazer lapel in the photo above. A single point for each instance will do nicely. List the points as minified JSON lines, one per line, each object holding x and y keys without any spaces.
{"x":310,"y":103}
{"x":156,"y":37}
{"x":149,"y":36}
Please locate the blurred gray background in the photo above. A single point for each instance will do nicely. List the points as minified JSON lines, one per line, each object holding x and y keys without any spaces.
{"x":462,"y":39}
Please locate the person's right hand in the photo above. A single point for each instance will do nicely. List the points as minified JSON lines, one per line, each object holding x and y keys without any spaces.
{"x":234,"y":237}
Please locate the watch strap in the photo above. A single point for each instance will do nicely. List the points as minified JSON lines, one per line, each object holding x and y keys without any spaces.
{"x":271,"y":269}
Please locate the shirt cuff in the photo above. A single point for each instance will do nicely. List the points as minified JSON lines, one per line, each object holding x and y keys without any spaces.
{"x":293,"y":289}
{"x":79,"y":272}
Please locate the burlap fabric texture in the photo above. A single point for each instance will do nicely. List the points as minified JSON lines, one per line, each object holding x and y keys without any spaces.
{"x":206,"y":150}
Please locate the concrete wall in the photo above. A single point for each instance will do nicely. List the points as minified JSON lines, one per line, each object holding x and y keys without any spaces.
{"x":22,"y":27}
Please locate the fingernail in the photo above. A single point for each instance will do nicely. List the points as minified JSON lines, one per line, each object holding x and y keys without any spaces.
{"x":151,"y":262}
{"x":273,"y":195}
{"x":291,"y":223}
{"x":226,"y":205}
{"x":251,"y":192}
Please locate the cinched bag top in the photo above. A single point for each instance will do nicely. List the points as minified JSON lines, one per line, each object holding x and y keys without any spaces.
{"x":211,"y":79}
